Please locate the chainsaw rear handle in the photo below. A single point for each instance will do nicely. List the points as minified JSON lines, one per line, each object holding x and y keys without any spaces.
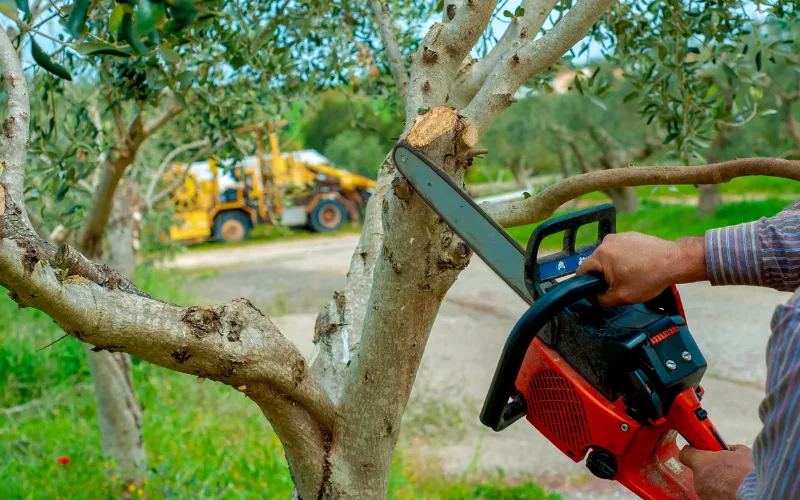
{"x":494,"y":413}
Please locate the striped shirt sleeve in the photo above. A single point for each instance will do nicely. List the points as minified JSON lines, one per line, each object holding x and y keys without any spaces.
{"x":767,"y":253}
{"x":761,"y":253}
{"x":776,"y":451}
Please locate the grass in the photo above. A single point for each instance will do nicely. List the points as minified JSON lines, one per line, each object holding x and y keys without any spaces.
{"x":670,"y":221}
{"x":204,"y":441}
{"x":266,"y":233}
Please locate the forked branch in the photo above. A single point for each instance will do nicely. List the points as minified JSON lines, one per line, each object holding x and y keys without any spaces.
{"x":473,"y":73}
{"x":441,"y":53}
{"x":544,"y":204}
{"x":525,"y":60}
{"x":394,"y":58}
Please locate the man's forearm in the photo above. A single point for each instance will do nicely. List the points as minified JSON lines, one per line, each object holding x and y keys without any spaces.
{"x":691,"y":265}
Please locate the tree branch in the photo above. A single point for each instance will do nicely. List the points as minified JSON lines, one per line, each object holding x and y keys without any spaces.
{"x":525,"y":60}
{"x":441,"y":53}
{"x":14,"y":139}
{"x":544,"y":204}
{"x":394,"y":58}
{"x":233,"y":343}
{"x":150,"y":196}
{"x":791,"y":124}
{"x":172,"y":110}
{"x":473,"y":73}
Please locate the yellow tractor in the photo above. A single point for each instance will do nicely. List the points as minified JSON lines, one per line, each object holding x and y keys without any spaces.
{"x":223,"y":201}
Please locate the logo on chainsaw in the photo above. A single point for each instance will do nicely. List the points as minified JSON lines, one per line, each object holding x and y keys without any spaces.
{"x":561,"y":266}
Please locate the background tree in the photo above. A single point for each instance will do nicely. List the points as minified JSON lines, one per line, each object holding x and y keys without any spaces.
{"x":141,"y":66}
{"x":339,"y":418}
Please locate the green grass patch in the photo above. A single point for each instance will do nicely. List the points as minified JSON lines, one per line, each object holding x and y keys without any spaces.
{"x":670,"y":221}
{"x":204,"y":441}
{"x":266,"y":233}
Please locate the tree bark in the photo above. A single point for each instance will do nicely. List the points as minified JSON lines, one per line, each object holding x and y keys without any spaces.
{"x":119,"y":414}
{"x":708,"y":200}
{"x":625,"y":199}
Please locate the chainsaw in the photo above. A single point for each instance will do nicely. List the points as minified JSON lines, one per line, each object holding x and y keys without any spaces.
{"x":612,"y":386}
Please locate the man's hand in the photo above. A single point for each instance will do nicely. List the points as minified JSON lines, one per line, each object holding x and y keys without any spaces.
{"x":718,"y":474}
{"x":638,"y":267}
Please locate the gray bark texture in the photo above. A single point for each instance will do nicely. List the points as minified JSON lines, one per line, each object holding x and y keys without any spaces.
{"x":709,"y":199}
{"x":119,"y":414}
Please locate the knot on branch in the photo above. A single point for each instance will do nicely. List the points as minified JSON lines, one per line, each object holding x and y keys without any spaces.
{"x":429,"y":56}
{"x":451,"y":11}
{"x":454,"y":252}
{"x":402,"y":189}
{"x":8,"y":126}
{"x":74,"y":263}
{"x":331,"y":319}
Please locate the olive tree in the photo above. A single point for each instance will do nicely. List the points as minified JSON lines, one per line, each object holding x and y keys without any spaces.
{"x":338,"y":414}
{"x":140,"y":66}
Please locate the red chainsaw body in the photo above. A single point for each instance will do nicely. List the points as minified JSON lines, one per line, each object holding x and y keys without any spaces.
{"x":577,"y":419}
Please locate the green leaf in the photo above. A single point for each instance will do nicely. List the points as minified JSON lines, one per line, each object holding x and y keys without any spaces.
{"x":127,"y":32}
{"x":62,"y":191}
{"x":525,"y":195}
{"x":768,"y":112}
{"x":116,"y":18}
{"x":508,"y":13}
{"x":670,"y":138}
{"x":598,"y":102}
{"x":578,"y":85}
{"x":77,"y":18}
{"x":169,"y":55}
{"x":181,"y":99}
{"x":101,"y":49}
{"x":43,"y":59}
{"x":712,"y":91}
{"x":519,"y":12}
{"x":183,"y":12}
{"x":758,"y":60}
{"x":732,"y":76}
{"x":185,"y":79}
{"x":148,"y":15}
{"x":756,"y":93}
{"x":630,"y":97}
{"x":23,"y":6}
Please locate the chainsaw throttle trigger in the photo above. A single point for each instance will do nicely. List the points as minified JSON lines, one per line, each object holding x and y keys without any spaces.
{"x":542,"y":273}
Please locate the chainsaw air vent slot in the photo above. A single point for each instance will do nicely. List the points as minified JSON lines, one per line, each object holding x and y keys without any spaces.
{"x":553,"y":400}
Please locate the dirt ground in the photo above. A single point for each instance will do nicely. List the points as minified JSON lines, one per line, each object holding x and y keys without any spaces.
{"x":291,"y":281}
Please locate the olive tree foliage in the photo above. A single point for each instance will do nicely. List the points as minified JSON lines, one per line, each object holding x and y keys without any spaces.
{"x":338,"y":415}
{"x":108,"y":77}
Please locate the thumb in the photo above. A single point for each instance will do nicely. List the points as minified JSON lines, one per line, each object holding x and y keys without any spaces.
{"x":694,"y":458}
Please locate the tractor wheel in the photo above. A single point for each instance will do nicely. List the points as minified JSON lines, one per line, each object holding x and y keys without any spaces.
{"x":329,"y":215}
{"x":231,"y":227}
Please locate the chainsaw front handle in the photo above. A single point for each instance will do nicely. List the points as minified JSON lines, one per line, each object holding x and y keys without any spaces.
{"x":495,"y":413}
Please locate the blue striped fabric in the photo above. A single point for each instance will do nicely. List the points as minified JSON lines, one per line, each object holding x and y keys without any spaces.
{"x":767,"y":253}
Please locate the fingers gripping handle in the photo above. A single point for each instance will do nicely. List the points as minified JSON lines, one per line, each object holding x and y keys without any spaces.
{"x":651,"y":467}
{"x":691,"y":421}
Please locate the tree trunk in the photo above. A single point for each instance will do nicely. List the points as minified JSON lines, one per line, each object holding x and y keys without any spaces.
{"x":710,"y":199}
{"x":520,"y":174}
{"x":625,"y":199}
{"x":119,"y":414}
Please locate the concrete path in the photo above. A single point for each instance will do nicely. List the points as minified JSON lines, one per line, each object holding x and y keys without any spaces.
{"x":293,"y":280}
